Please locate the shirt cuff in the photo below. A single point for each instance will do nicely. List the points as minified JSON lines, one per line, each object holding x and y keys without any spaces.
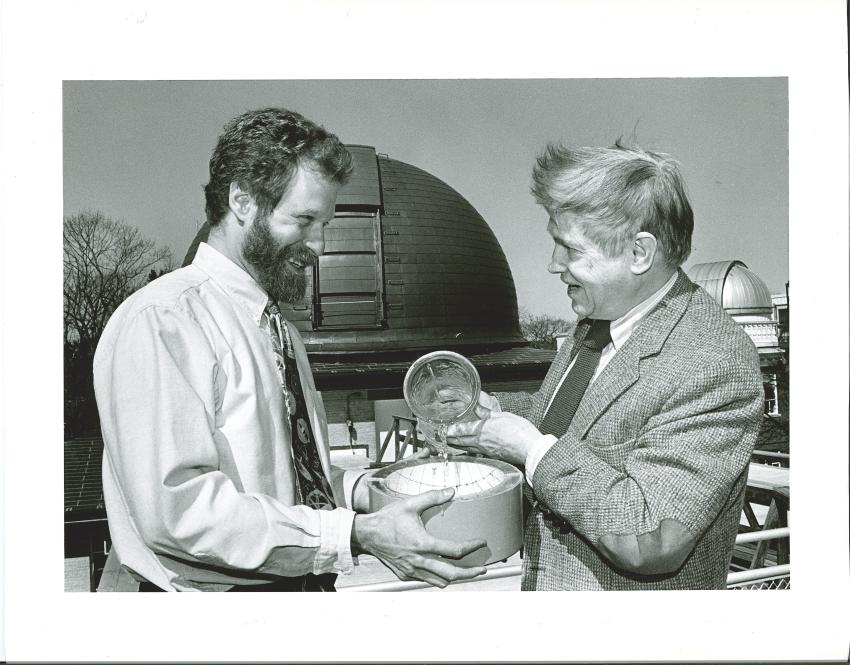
{"x":538,"y":449}
{"x":334,"y":554}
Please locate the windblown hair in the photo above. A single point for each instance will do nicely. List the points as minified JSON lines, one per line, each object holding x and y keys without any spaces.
{"x":261,"y":150}
{"x":618,"y":192}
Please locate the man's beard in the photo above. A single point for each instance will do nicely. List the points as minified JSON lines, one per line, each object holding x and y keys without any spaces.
{"x":281,"y":280}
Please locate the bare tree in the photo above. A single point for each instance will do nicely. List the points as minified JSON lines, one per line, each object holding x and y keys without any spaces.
{"x":104,"y":261}
{"x":540,"y":329}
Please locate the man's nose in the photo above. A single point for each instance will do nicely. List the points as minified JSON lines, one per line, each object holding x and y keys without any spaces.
{"x":556,"y":266}
{"x":316,"y":240}
{"x":316,"y":246}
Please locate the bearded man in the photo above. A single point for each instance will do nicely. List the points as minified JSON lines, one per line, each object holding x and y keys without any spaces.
{"x":216,"y":470}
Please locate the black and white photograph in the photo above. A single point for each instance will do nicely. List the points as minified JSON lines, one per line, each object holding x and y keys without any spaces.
{"x":441,"y":319}
{"x":390,"y":333}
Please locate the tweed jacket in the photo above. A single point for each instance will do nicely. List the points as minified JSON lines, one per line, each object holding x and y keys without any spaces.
{"x":662,"y":438}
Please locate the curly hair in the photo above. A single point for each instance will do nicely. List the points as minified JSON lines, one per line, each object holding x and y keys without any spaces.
{"x":618,"y":191}
{"x":261,"y":150}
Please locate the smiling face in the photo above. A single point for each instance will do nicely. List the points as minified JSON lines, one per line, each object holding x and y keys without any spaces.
{"x":600,"y":286}
{"x":279,"y":246}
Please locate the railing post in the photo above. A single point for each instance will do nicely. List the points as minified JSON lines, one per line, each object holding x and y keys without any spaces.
{"x":412,"y":433}
{"x":400,"y":444}
{"x":403,"y":449}
{"x":380,"y":455}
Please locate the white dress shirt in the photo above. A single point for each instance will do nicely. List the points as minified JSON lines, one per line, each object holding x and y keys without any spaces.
{"x":621,"y":330}
{"x":198,"y":477}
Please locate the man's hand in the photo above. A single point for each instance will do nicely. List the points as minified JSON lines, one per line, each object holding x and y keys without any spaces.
{"x":504,"y":436}
{"x":489,"y":402}
{"x":486,"y":405}
{"x":360,"y":493}
{"x":396,"y":536}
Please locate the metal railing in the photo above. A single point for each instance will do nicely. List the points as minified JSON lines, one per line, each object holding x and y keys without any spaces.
{"x":400,"y":440}
{"x":757,"y":574}
{"x":764,"y":534}
{"x":772,"y":458}
{"x":737,"y":577}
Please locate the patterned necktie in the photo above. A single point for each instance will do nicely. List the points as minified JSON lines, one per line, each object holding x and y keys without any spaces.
{"x":312,"y":487}
{"x":564,"y":406}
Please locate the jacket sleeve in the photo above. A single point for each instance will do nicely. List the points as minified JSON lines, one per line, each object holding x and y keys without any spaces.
{"x":158,"y":392}
{"x":678,"y":472}
{"x":521,"y":404}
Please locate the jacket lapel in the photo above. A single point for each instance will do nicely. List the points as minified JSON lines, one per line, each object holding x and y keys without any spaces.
{"x":623,"y":370}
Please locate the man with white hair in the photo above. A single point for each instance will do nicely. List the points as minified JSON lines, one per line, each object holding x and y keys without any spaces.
{"x":636,"y":447}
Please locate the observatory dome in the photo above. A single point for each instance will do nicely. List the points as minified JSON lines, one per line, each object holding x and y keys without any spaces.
{"x":409,"y":265}
{"x":743,"y":295}
{"x":737,"y":288}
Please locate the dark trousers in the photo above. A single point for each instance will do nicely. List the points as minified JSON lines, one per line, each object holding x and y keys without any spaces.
{"x":308,"y":582}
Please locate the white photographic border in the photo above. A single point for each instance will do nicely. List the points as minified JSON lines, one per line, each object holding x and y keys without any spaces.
{"x":45,"y":43}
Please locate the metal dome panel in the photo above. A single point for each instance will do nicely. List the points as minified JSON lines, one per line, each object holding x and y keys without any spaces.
{"x":712,"y":276}
{"x":364,"y":187}
{"x":737,"y":288}
{"x":745,"y":292}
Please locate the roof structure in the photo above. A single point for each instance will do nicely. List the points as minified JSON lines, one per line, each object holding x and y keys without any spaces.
{"x":519,"y":363}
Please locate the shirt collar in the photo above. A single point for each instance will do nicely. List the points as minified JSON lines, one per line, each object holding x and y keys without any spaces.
{"x":623,"y":327}
{"x":232,"y":279}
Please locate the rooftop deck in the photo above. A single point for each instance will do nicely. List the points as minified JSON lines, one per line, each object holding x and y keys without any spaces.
{"x":767,"y":507}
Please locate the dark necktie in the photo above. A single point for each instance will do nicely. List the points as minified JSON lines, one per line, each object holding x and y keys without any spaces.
{"x":560,"y":414}
{"x":312,"y":489}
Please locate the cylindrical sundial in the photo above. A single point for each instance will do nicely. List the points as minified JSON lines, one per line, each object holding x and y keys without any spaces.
{"x":442,"y":388}
{"x":487,"y":502}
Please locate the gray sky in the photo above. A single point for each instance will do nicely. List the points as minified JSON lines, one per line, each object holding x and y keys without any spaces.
{"x":138,"y":151}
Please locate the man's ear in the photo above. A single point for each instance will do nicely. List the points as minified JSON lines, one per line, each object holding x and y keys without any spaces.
{"x":241,"y":204}
{"x":644,"y":251}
